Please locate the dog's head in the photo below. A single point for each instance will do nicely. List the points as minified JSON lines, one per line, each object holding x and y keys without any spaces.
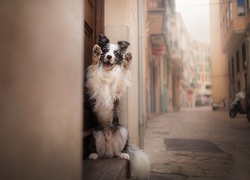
{"x":111,"y":54}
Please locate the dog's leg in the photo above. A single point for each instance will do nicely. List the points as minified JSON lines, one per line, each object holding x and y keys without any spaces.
{"x":123,"y":156}
{"x":127,"y":60}
{"x":96,"y":54}
{"x":120,"y":140}
{"x":93,"y":156}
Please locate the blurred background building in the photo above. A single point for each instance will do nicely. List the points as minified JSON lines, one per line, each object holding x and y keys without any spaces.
{"x":203,"y":69}
{"x":232,"y":18}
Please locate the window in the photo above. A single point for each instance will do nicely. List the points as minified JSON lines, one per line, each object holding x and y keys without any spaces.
{"x":224,"y":26}
{"x":241,"y":8}
{"x":232,"y":67}
{"x":202,"y":78}
{"x":227,"y":18}
{"x":208,"y":86}
{"x":238,"y":61}
{"x":198,"y":69}
{"x":206,"y":58}
{"x":207,"y":69}
{"x":231,"y":9}
{"x":197,"y":58}
{"x":244,"y":55}
{"x":198,"y":77}
{"x":202,"y":68}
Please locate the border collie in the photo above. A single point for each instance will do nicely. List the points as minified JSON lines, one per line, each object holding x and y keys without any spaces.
{"x":107,"y":78}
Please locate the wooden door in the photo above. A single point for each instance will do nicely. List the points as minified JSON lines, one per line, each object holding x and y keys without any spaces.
{"x":93,"y":25}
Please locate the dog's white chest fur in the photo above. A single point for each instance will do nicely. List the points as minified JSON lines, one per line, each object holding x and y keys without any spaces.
{"x":107,"y":77}
{"x":105,"y":87}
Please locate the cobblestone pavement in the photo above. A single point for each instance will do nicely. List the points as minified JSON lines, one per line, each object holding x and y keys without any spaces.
{"x":199,"y":144}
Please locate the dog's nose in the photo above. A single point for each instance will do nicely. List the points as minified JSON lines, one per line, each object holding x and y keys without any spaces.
{"x":109,"y":57}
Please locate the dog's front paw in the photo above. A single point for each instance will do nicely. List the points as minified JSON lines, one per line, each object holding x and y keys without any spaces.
{"x":96,"y":53}
{"x":127,"y":59}
{"x":124,"y":156}
{"x":128,"y":56}
{"x":93,"y":156}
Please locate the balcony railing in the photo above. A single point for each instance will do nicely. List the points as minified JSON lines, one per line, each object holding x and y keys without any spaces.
{"x":156,"y":16}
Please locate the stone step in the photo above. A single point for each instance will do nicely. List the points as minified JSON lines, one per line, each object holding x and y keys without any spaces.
{"x":106,"y":168}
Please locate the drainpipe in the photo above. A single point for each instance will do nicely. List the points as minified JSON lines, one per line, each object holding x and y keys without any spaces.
{"x":140,"y":69}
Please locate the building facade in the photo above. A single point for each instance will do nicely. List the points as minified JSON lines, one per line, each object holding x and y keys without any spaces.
{"x":190,"y":64}
{"x":174,"y":59}
{"x":188,"y":79}
{"x":155,"y":78}
{"x":202,"y":53}
{"x":219,"y":59}
{"x":234,"y":23}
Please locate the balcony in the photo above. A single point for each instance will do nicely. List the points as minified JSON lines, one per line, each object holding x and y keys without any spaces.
{"x":233,"y":35}
{"x":156,"y":16}
{"x":174,"y":50}
{"x":208,"y":92}
{"x":177,"y":72}
{"x":177,"y":58}
{"x":158,"y":45}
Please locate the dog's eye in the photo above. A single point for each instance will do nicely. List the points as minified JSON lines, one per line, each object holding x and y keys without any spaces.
{"x":116,"y":53}
{"x":105,"y":50}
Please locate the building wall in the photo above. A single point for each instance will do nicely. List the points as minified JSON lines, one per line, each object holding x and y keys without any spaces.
{"x":235,"y":44}
{"x":41,"y":89}
{"x":219,"y":61}
{"x":155,"y":84}
{"x":170,"y":33}
{"x":203,"y":62}
{"x":121,"y":23}
{"x":156,"y":69}
{"x":169,"y":85}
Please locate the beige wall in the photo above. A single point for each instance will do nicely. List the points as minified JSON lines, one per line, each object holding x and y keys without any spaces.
{"x":145,"y":49}
{"x":218,"y":59}
{"x":41,"y":89}
{"x":170,"y":88}
{"x":121,"y":23}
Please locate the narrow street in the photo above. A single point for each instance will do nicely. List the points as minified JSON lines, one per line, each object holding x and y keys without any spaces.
{"x":199,"y":144}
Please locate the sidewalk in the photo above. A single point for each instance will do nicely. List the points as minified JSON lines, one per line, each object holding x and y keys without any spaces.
{"x":199,"y":144}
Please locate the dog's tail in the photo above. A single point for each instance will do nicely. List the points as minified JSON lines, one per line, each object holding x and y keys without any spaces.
{"x":139,"y":162}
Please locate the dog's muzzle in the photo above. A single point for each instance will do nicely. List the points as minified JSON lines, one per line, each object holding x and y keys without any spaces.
{"x":107,"y":62}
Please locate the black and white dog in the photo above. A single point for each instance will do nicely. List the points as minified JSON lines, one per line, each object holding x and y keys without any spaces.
{"x":107,"y":78}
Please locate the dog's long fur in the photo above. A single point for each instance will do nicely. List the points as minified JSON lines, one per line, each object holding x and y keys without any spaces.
{"x":104,"y":86}
{"x":107,"y":78}
{"x":114,"y":143}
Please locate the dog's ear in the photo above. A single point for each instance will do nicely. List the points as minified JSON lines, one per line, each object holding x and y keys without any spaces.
{"x":123,"y":45}
{"x":102,"y":40}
